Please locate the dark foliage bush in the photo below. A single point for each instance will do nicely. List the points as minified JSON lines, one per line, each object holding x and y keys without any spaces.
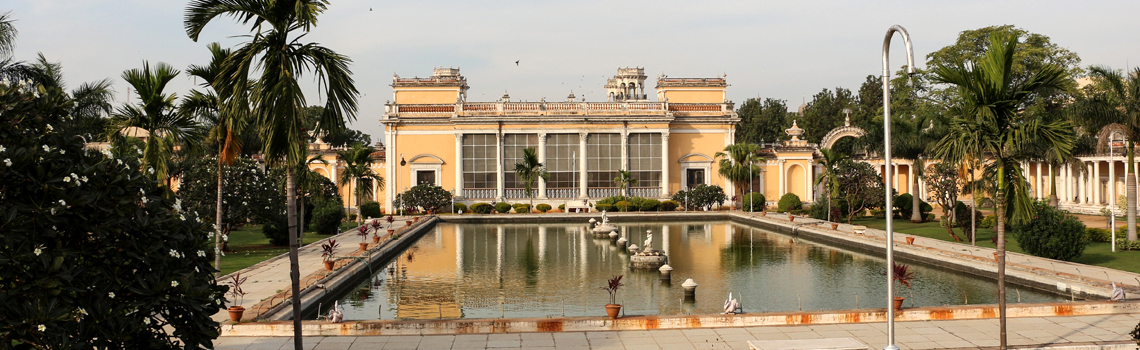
{"x":904,"y":203}
{"x":700,"y":197}
{"x":649,"y":205}
{"x":543,"y":207}
{"x":327,"y":215}
{"x":625,"y":206}
{"x":370,"y":210}
{"x":1094,"y":234}
{"x":481,"y":208}
{"x":427,"y":198}
{"x":459,"y":208}
{"x":757,"y":202}
{"x":562,"y":207}
{"x":92,"y":254}
{"x":277,"y":230}
{"x":1051,"y":233}
{"x":669,"y":206}
{"x":521,"y":208}
{"x":789,"y":201}
{"x":502,"y":207}
{"x":604,"y":206}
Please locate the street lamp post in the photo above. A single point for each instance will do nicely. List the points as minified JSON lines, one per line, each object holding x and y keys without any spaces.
{"x":1112,"y":189}
{"x":887,"y":171}
{"x":402,"y":163}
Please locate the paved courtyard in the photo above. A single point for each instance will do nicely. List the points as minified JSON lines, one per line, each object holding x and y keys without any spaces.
{"x":1097,"y":332}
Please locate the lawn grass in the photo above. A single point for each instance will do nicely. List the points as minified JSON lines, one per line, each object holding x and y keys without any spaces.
{"x":250,"y":247}
{"x":1096,"y":253}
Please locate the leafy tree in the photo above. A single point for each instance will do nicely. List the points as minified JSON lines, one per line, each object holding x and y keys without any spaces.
{"x":943,"y":182}
{"x":277,"y":101}
{"x":1119,"y":103}
{"x":358,"y":171}
{"x":825,"y":112}
{"x":250,"y":193}
{"x":1036,"y":52}
{"x":1052,"y":233}
{"x":761,"y":120}
{"x":829,"y":177}
{"x":530,"y":170}
{"x":700,"y":196}
{"x":93,"y":255}
{"x":862,"y":187}
{"x":327,"y":215}
{"x":91,"y":101}
{"x":738,"y":164}
{"x":155,"y":115}
{"x":989,"y":120}
{"x":429,"y":197}
{"x":337,"y":138}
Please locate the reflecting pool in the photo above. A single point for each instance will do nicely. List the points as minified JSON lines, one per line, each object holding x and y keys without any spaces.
{"x":540,"y":270}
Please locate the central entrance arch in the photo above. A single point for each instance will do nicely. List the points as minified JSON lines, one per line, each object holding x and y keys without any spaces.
{"x":838,"y":133}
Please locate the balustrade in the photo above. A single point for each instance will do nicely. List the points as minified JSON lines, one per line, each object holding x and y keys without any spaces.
{"x":562,"y":192}
{"x":645,"y":192}
{"x":479,"y":193}
{"x":603,"y":192}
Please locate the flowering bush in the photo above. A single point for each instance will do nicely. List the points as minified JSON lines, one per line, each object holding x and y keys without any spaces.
{"x":92,"y":255}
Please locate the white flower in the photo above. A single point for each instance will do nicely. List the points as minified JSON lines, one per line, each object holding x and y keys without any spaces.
{"x":83,"y":178}
{"x":2,"y":149}
{"x":182,"y":217}
{"x":150,"y":170}
{"x":47,"y":149}
{"x":174,"y":253}
{"x":7,"y":162}
{"x":146,"y":320}
{"x":107,"y":153}
{"x":144,"y":200}
{"x":202,"y":253}
{"x":62,"y":152}
{"x":52,"y":211}
{"x":38,"y":251}
{"x":196,"y":269}
{"x":111,"y":294}
{"x":49,"y":128}
{"x":82,"y":312}
{"x":62,"y":203}
{"x":66,"y":179}
{"x":140,"y":151}
{"x":173,"y":283}
{"x":41,"y":327}
{"x":120,"y":161}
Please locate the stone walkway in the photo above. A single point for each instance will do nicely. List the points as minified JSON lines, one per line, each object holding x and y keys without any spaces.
{"x":270,"y":277}
{"x":1098,"y":332}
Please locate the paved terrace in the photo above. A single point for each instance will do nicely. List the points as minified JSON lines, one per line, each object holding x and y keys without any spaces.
{"x":1068,"y":332}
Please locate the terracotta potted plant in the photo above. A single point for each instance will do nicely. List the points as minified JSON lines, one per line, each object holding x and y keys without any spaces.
{"x":791,"y":217}
{"x":903,"y":275}
{"x":612,"y":286}
{"x":390,"y":221}
{"x":375,"y":231}
{"x":363,"y":233}
{"x":910,"y":240}
{"x":235,"y":290}
{"x":328,"y":252}
{"x":834,"y":226}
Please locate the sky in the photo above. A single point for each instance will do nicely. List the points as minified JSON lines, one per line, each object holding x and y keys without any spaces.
{"x":787,"y":50}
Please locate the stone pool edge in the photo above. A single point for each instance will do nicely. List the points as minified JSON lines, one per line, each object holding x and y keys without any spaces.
{"x":650,"y":322}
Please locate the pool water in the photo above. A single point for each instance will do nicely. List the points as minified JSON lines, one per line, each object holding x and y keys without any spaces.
{"x":554,"y":270}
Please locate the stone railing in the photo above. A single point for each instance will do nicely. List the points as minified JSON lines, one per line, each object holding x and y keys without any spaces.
{"x":479,"y":193}
{"x":482,"y":109}
{"x":562,"y":192}
{"x":645,"y":192}
{"x":517,"y":193}
{"x":603,"y":192}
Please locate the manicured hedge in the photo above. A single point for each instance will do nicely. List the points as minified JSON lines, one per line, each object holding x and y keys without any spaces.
{"x":481,"y":208}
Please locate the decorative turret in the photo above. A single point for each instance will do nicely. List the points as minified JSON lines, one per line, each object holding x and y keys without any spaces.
{"x":795,"y":132}
{"x":627,"y":85}
{"x":571,"y":97}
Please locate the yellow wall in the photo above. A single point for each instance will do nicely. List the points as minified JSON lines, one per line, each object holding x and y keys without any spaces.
{"x":797,"y":179}
{"x":686,"y":143}
{"x":691,"y":94}
{"x":442,"y":146}
{"x":426,"y":95}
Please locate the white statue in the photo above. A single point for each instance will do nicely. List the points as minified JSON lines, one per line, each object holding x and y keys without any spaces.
{"x":731,"y":306}
{"x":337,"y":313}
{"x":605,"y":220}
{"x":1117,"y":293}
{"x":648,"y":242}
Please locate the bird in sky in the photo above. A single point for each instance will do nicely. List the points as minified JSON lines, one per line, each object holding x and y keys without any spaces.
{"x":517,"y":62}
{"x":369,"y":9}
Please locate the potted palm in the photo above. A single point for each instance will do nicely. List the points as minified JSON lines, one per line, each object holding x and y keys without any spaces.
{"x":328,"y":252}
{"x":612,"y":286}
{"x":375,"y":231}
{"x":235,"y":290}
{"x":363,"y":233}
{"x":903,"y":275}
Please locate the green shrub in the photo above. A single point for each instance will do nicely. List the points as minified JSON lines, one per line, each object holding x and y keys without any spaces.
{"x":1122,"y":232}
{"x":352,"y":217}
{"x":481,"y":208}
{"x":459,"y":208}
{"x":879,"y":213}
{"x":700,"y":197}
{"x":928,"y":217}
{"x":543,"y":207}
{"x":370,"y":210}
{"x":904,"y":203}
{"x":327,"y":215}
{"x":789,"y":201}
{"x":1052,"y":233}
{"x":277,"y":230}
{"x":988,"y":222}
{"x":562,"y":207}
{"x":604,"y":206}
{"x":669,"y":206}
{"x":634,"y":203}
{"x":502,"y":207}
{"x":756,"y":200}
{"x":624,"y":206}
{"x":649,"y":205}
{"x":522,"y":208}
{"x":1093,"y":234}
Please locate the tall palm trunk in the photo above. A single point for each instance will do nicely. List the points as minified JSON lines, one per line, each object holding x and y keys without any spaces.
{"x":294,"y":268}
{"x":301,"y":218}
{"x":218,"y":225}
{"x":1130,"y":191}
{"x":1053,"y":200}
{"x":1000,"y":204}
{"x":916,"y":203}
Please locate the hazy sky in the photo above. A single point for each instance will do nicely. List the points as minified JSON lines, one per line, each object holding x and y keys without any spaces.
{"x":780,"y":49}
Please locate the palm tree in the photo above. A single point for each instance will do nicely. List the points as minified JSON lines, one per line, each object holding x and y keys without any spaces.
{"x":358,"y":172}
{"x":830,"y":161}
{"x":91,"y":100}
{"x":156,"y":115}
{"x":529,"y":170}
{"x":227,"y":118}
{"x":992,"y":120}
{"x":278,"y":103}
{"x":738,"y":164}
{"x":1119,"y":104}
{"x":624,"y":180}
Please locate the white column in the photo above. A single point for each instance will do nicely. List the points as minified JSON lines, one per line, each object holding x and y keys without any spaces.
{"x":730,"y":189}
{"x":1040,"y":191}
{"x":665,"y":165}
{"x":783,"y":183}
{"x":910,"y":180}
{"x":499,"y":243}
{"x":458,"y":165}
{"x":665,"y":239}
{"x":1088,"y":190}
{"x":625,"y":155}
{"x":582,"y":193}
{"x":500,"y":192}
{"x":1112,"y":182}
{"x":1096,"y":183}
{"x":390,"y":165}
{"x":542,"y":159}
{"x":729,"y":232}
{"x":895,"y":171}
{"x":541,"y":244}
{"x":1065,"y":190}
